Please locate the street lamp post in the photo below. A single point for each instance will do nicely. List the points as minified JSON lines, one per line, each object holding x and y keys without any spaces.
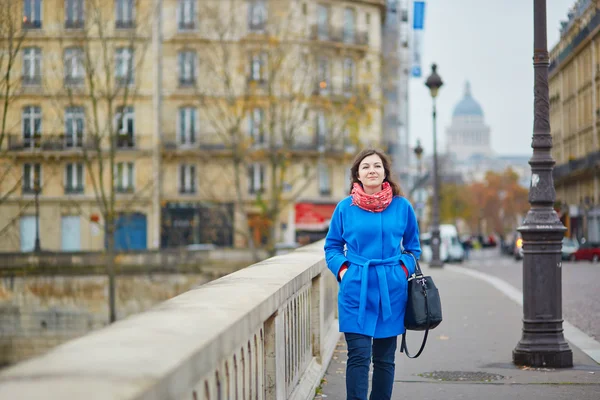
{"x":542,"y":342}
{"x":418,"y":150}
{"x":36,"y":189}
{"x":434,"y":82}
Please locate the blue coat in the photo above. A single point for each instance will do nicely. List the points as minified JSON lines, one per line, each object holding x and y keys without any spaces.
{"x":372,"y":295}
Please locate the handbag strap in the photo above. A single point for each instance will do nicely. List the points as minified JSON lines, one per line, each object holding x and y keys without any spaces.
{"x":403,"y":346}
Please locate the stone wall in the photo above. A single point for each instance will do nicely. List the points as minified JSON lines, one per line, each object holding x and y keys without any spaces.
{"x":38,"y":313}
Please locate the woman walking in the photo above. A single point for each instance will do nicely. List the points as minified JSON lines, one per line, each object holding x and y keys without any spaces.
{"x":375,"y":224}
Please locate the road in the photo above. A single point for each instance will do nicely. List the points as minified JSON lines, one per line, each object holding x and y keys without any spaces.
{"x":580,"y":280}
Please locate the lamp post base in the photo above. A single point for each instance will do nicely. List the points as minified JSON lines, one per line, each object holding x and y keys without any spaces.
{"x":436,"y":264}
{"x":542,"y":358}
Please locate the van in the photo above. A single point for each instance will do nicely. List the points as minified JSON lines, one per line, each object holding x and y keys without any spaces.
{"x":450,"y":239}
{"x":450,"y":246}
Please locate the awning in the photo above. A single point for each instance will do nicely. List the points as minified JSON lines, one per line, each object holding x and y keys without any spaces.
{"x":313,"y":217}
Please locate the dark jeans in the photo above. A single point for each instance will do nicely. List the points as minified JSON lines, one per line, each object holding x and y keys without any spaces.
{"x":360,"y":349}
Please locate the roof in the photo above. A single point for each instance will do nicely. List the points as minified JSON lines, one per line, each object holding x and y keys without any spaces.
{"x":468,"y":106}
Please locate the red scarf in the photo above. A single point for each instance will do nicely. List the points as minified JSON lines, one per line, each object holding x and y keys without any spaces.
{"x":372,"y":202}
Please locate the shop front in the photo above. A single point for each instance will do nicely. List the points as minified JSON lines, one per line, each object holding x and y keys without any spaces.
{"x":312,"y":221}
{"x":189,"y":223}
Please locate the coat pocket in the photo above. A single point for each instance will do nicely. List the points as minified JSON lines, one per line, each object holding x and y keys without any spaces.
{"x":349,"y":291}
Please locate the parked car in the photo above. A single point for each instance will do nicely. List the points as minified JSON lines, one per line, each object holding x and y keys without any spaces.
{"x":587,"y":251}
{"x":569,"y":246}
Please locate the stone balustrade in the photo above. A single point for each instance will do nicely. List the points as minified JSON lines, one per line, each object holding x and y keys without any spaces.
{"x":267,"y":331}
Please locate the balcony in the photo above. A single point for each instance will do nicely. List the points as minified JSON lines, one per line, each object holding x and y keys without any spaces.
{"x":214,"y":142}
{"x":577,"y":166}
{"x":124,"y":141}
{"x":74,"y":24}
{"x":339,"y":35}
{"x":28,"y":188}
{"x":324,"y":88}
{"x":119,"y":188}
{"x":256,"y":26}
{"x":187,"y":82}
{"x":186,"y":26}
{"x":31,"y":80}
{"x":77,"y":189}
{"x":50,"y":142}
{"x":31,"y":24}
{"x":125,"y":24}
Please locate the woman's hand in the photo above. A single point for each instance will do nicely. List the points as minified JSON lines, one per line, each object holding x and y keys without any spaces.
{"x":342,"y":273}
{"x":405,"y":269}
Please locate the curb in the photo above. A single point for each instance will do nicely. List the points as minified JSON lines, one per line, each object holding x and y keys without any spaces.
{"x":585,"y":343}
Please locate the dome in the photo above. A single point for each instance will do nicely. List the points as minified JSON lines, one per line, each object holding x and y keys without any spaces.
{"x":468,"y":106}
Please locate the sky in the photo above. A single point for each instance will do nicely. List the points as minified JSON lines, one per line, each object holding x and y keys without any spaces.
{"x":490,"y":44}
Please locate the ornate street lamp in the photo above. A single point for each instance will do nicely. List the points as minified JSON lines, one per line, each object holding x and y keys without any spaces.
{"x":418,"y":150}
{"x":542,"y":342}
{"x":434,"y":83}
{"x":36,"y":189}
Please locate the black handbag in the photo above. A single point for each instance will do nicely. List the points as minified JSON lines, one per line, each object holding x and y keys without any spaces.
{"x":423,"y":308}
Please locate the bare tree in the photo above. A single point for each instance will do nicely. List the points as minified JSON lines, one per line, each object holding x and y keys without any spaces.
{"x":268,"y":96}
{"x":101,"y":69}
{"x":11,"y":40}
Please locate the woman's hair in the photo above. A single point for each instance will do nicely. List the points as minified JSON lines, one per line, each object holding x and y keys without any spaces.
{"x":387,"y":166}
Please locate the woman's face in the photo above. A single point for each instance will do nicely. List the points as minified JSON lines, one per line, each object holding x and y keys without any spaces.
{"x":371,"y":173}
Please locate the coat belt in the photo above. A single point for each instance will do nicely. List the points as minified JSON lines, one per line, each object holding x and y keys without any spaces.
{"x":384,"y":292}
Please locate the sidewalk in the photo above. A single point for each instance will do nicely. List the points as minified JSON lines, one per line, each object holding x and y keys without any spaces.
{"x":469,"y":356}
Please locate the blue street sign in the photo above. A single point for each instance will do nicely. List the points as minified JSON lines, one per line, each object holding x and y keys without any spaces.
{"x":416,"y":72}
{"x":418,"y":15}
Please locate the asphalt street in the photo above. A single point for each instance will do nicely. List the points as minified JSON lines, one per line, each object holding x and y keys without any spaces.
{"x":580,"y":279}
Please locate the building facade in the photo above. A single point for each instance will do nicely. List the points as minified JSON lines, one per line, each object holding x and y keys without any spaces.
{"x":182,"y":121}
{"x":574,"y":85}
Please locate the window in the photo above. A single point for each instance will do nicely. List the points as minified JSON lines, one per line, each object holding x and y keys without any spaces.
{"x":348,"y":75}
{"x":257,"y":15}
{"x":256,"y":178}
{"x":32,"y":178}
{"x":187,"y":68}
{"x":32,"y":14}
{"x":324,"y":180}
{"x":125,"y":121}
{"x":73,"y":66}
{"x":256,"y":126}
{"x":124,"y":177}
{"x":187,"y":125}
{"x":187,"y":179}
{"x":74,"y":14}
{"x":258,"y":63}
{"x":186,"y":15}
{"x":322,"y":21}
{"x":124,"y":66}
{"x":349,"y":24}
{"x":74,"y":181}
{"x":32,"y":66}
{"x":74,"y":126}
{"x":32,"y":126}
{"x":125,"y":11}
{"x":323,"y":74}
{"x":321,"y":128}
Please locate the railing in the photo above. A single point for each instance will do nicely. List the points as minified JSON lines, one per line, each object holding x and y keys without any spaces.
{"x":302,"y":143}
{"x":339,"y":35}
{"x":589,"y":161}
{"x":267,"y":331}
{"x":49,"y":142}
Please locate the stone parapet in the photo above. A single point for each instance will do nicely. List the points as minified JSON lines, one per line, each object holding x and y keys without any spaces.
{"x":267,"y":331}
